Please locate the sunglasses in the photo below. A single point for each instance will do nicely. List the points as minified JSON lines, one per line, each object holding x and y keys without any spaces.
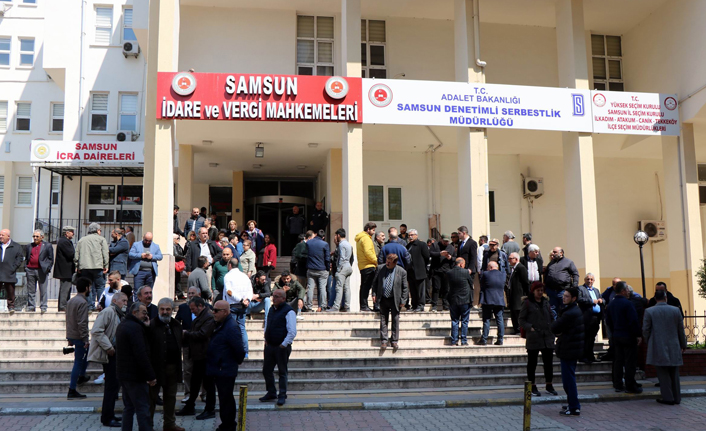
{"x":36,"y":236}
{"x":216,"y":310}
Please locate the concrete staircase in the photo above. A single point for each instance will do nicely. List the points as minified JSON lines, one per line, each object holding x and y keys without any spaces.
{"x":333,"y":352}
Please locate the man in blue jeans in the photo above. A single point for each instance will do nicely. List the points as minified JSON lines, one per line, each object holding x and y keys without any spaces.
{"x":492,"y":300}
{"x":569,"y":329}
{"x":144,"y":256}
{"x":318,"y":263}
{"x":92,"y":259}
{"x":77,"y":336}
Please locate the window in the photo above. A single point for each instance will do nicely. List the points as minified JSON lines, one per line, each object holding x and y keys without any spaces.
{"x":372,"y":49}
{"x":491,"y":206}
{"x":22,"y":122}
{"x":24,"y":191}
{"x":3,"y":116}
{"x":315,"y":45}
{"x":104,"y":203}
{"x":702,"y":183}
{"x":128,"y":33}
{"x":55,"y":190}
{"x":57,"y":117}
{"x":376,"y":204}
{"x":5,"y":44}
{"x":104,"y":25}
{"x":607,"y":58}
{"x":2,"y":189}
{"x":394,"y":203}
{"x":26,"y":52}
{"x":99,"y":112}
{"x":128,"y":112}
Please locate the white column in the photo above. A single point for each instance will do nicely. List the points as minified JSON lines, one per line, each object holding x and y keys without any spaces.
{"x":579,"y":174}
{"x":352,"y":140}
{"x":472,"y":144}
{"x":158,"y":183}
{"x":683,"y":218}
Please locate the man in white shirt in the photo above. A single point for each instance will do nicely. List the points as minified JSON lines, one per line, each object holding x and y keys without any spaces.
{"x":533,"y":263}
{"x":238,"y":292}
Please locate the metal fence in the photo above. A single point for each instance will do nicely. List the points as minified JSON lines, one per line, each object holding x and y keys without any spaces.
{"x":695,"y":328}
{"x":52,"y":228}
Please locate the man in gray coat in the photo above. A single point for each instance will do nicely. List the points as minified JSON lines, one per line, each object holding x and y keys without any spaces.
{"x":663,"y":330}
{"x":390,"y":292}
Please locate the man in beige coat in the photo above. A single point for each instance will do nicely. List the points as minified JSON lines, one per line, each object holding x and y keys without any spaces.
{"x":663,"y":330}
{"x":102,"y":351}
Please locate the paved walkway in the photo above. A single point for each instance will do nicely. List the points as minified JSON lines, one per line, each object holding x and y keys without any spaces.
{"x":642,"y":415}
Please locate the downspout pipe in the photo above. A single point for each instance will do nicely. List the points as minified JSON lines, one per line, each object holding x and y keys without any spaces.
{"x":476,"y":32}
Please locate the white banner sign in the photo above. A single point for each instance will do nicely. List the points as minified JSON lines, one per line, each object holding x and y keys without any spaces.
{"x":635,"y":113}
{"x":439,"y":103}
{"x":87,"y":153}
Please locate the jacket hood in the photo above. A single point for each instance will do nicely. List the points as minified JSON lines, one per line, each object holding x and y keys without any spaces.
{"x":361,"y":235}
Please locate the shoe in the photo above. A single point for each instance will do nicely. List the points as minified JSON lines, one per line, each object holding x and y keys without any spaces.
{"x":535,"y":391}
{"x":185,"y":399}
{"x":550,"y":389}
{"x":29,"y":310}
{"x":638,"y":385}
{"x":569,"y":412}
{"x":376,"y":309}
{"x":206,"y":415}
{"x":464,"y":343}
{"x":332,"y":310}
{"x":268,"y":397}
{"x":299,"y":317}
{"x":173,"y":428}
{"x":74,"y":395}
{"x":365,"y":310}
{"x":419,"y":310}
{"x":43,"y":311}
{"x":383,"y":345}
{"x":481,"y":343}
{"x":634,"y":391}
{"x":11,"y":311}
{"x":82,"y":379}
{"x":657,"y":385}
{"x":117,"y":419}
{"x":498,"y":342}
{"x":433,"y":310}
{"x":186,"y":411}
{"x":281,"y":401}
{"x":159,"y":401}
{"x":661,"y":401}
{"x":113,"y":424}
{"x":99,"y":380}
{"x":619,"y":389}
{"x":345,"y":310}
{"x":394,"y":345}
{"x":318,"y":310}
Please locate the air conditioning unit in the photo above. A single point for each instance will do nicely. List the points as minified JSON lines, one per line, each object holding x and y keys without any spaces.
{"x":131,"y":48}
{"x":534,"y":186}
{"x":127,"y":135}
{"x":655,"y":229}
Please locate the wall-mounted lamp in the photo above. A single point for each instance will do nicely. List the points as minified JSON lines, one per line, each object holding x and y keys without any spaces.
{"x":259,"y":151}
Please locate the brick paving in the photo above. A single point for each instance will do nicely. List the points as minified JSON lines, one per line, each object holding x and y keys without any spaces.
{"x":642,"y":415}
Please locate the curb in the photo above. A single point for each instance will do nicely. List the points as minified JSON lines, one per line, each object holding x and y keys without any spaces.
{"x":388,"y":405}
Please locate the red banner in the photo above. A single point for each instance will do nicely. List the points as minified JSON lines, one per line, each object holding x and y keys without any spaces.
{"x":249,"y":97}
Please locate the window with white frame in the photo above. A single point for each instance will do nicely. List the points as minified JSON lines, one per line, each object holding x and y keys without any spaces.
{"x":607,"y":56}
{"x":315,"y":45}
{"x":128,"y":33}
{"x":3,"y":116}
{"x":372,"y":49}
{"x":24,"y":191}
{"x":22,"y":117}
{"x":55,"y":180}
{"x":57,"y":117}
{"x":377,"y":203}
{"x":104,"y":203}
{"x":5,"y":50}
{"x":99,"y":112}
{"x":26,"y":52}
{"x":104,"y":25}
{"x":128,"y":111}
{"x":2,"y":189}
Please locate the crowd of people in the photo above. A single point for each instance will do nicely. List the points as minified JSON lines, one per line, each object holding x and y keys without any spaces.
{"x":145,"y":349}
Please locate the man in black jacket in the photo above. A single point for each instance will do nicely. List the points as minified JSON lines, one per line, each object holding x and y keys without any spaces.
{"x":280,"y":331}
{"x":197,"y":340}
{"x":671,"y":299}
{"x":621,"y":318}
{"x":534,"y":263}
{"x":135,"y":371}
{"x":442,"y":255}
{"x":193,"y":251}
{"x":517,"y":287}
{"x":165,"y":336}
{"x":460,"y":299}
{"x":64,"y":266}
{"x":176,"y":221}
{"x":39,"y":258}
{"x":569,"y":330}
{"x":468,"y":250}
{"x":417,"y":270}
{"x":559,"y":274}
{"x":591,"y":305}
{"x":183,"y":316}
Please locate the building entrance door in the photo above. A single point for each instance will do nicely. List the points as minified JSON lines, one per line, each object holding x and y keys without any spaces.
{"x":271,"y":213}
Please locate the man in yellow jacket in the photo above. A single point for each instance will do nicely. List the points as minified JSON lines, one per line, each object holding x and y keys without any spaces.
{"x":367,"y":263}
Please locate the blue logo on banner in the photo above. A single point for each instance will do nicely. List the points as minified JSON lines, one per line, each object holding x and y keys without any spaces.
{"x":578,"y":105}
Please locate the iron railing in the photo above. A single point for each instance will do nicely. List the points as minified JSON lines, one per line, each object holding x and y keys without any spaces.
{"x":695,"y":328}
{"x":52,"y":228}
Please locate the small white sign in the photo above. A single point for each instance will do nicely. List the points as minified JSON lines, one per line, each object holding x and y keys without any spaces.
{"x":635,"y":113}
{"x":87,"y":153}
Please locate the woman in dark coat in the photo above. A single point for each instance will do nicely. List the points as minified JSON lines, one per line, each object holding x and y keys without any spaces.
{"x":536,"y":319}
